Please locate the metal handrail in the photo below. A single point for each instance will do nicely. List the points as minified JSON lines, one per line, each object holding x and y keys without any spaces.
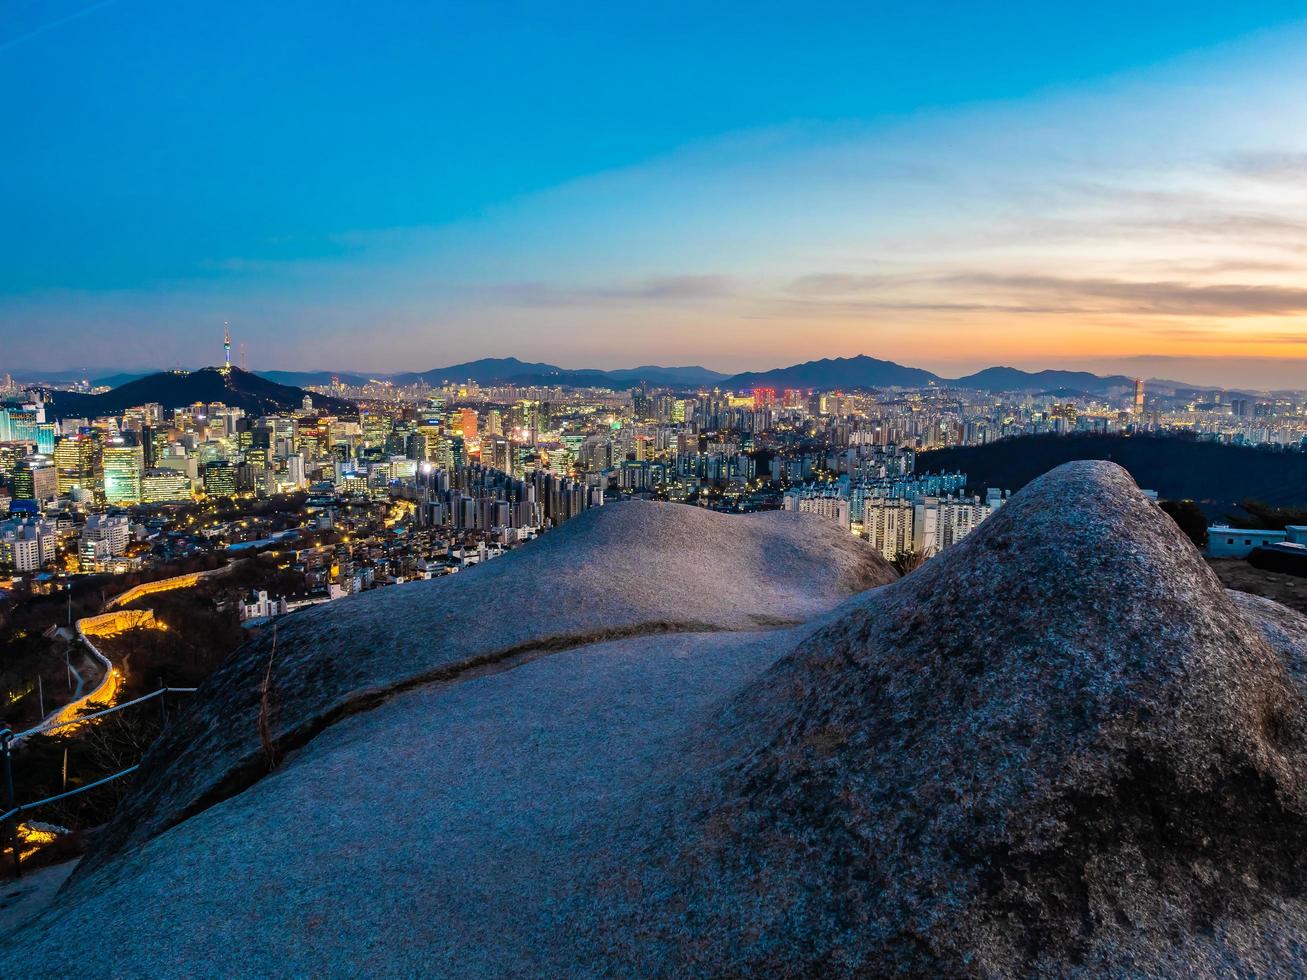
{"x":23,"y":808}
{"x":104,"y":711}
{"x":10,"y":740}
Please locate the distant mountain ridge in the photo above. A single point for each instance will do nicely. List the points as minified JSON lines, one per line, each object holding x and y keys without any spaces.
{"x":1015,"y":379}
{"x":174,"y":389}
{"x":838,"y":373}
{"x":511,"y":370}
{"x":861,"y":371}
{"x":852,"y":373}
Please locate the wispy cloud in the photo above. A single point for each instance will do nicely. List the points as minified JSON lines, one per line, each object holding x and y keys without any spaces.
{"x":36,"y":32}
{"x":1045,"y":294}
{"x":844,"y":284}
{"x":1167,"y":298}
{"x":1270,"y":165}
{"x":661,"y":289}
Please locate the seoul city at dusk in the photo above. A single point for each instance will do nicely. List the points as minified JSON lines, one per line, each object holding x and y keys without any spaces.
{"x":684,"y":490}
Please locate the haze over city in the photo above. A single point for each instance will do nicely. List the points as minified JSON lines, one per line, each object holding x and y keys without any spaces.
{"x":741,"y":187}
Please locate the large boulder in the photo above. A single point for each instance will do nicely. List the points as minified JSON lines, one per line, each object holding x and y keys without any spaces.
{"x":1060,"y":743}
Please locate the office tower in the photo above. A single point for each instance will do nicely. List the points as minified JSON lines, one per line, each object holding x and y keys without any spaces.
{"x":162,"y":486}
{"x":45,"y":438}
{"x":9,"y":457}
{"x":123,"y":467}
{"x":150,"y":437}
{"x":1139,"y":396}
{"x":19,"y":424}
{"x":468,"y":425}
{"x":220,"y":479}
{"x":77,"y":459}
{"x":35,"y":479}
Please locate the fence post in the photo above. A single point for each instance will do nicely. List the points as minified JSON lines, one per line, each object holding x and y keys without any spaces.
{"x":163,"y":707}
{"x":7,"y":738}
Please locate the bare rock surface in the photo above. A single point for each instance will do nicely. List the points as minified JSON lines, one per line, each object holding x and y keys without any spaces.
{"x":1059,"y":743}
{"x":1283,"y":628}
{"x":462,"y":830}
{"x":626,"y":569}
{"x":1061,"y":748}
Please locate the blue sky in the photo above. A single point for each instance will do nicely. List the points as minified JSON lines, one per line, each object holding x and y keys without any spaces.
{"x":399,"y":184}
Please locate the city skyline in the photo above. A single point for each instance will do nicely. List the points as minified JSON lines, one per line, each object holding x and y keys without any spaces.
{"x":832,"y":184}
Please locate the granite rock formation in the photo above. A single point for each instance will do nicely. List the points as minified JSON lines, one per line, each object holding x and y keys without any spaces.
{"x":1059,"y":744}
{"x":1058,"y":748}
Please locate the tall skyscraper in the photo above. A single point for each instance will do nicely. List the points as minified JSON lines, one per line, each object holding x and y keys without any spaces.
{"x":1139,"y":396}
{"x":77,"y":459}
{"x":19,"y":424}
{"x":34,"y":479}
{"x":220,"y":479}
{"x":123,"y":468}
{"x":468,"y":426}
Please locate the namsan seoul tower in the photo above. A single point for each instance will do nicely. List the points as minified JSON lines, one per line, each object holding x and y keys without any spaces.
{"x":226,"y":347}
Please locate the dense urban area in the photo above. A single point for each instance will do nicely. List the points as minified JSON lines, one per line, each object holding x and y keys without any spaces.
{"x":139,"y":546}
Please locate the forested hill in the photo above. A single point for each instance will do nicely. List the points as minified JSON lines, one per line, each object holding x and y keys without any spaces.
{"x":177,"y":389}
{"x":1215,"y":475}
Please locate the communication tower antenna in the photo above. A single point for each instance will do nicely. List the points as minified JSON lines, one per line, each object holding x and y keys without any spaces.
{"x":226,"y":347}
{"x":244,"y":358}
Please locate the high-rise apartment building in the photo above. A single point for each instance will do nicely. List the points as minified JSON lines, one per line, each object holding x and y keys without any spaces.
{"x":939,"y":522}
{"x":27,"y":545}
{"x":114,"y":530}
{"x":887,"y":525}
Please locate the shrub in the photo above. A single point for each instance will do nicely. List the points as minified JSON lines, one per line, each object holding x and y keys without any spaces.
{"x":1190,"y":518}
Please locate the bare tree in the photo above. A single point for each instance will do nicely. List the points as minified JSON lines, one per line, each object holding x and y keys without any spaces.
{"x":266,"y":707}
{"x":906,"y":562}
